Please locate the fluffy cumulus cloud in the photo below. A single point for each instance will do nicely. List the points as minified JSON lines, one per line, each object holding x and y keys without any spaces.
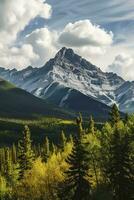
{"x":20,"y":57}
{"x":123,"y":65}
{"x":86,"y":38}
{"x":44,"y":43}
{"x":15,"y":16}
{"x":84,"y":33}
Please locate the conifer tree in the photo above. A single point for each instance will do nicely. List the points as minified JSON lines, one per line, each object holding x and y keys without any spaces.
{"x":2,"y":160}
{"x":126,"y":118}
{"x":14,"y":154}
{"x":53,"y":148}
{"x":39,"y":153}
{"x":115,"y":115}
{"x":91,"y":128}
{"x":76,"y":185}
{"x":63,"y":140}
{"x":46,"y":150}
{"x":8,"y":165}
{"x":25,"y":153}
{"x":71,"y":139}
{"x":79,"y":121}
{"x":120,"y":169}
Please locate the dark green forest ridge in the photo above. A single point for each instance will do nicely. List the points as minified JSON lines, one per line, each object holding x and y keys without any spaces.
{"x":17,"y":103}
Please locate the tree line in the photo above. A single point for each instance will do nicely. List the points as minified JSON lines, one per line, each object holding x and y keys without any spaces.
{"x":94,"y":164}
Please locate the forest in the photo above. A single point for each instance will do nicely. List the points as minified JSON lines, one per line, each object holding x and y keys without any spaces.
{"x":91,"y":163}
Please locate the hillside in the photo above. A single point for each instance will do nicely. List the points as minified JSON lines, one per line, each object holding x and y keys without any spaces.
{"x":17,"y":103}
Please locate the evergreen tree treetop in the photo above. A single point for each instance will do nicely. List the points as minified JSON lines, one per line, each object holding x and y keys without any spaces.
{"x":46,"y":150}
{"x":115,"y":115}
{"x":91,"y":128}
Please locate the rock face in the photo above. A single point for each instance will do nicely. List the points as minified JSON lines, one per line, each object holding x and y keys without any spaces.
{"x":68,"y":74}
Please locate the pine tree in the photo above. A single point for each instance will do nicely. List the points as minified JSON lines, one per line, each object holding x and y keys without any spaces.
{"x":39,"y":150}
{"x":63,"y":140}
{"x":14,"y":154}
{"x":46,"y":150}
{"x":71,"y":139}
{"x":25,"y":153}
{"x":8,"y":166}
{"x":2,"y":161}
{"x":79,"y":121}
{"x":91,"y":128}
{"x":53,"y":148}
{"x":115,"y":115}
{"x":119,"y":169}
{"x":126,"y":118}
{"x":76,"y":185}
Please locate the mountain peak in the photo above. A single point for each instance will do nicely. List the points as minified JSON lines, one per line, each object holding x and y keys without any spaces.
{"x":67,"y":56}
{"x":68,"y":71}
{"x":65,"y":53}
{"x":64,"y":50}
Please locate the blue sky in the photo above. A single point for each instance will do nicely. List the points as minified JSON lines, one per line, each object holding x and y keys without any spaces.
{"x":36,"y":31}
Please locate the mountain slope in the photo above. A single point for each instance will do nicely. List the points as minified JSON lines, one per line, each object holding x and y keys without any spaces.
{"x":15,"y":102}
{"x":67,"y":72}
{"x":75,"y":101}
{"x":125,"y":97}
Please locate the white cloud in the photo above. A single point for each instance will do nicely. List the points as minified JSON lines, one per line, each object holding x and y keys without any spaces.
{"x":123,"y":65}
{"x":44,"y":43}
{"x":85,"y":38}
{"x":15,"y":16}
{"x":19,"y":57}
{"x":84,"y":33}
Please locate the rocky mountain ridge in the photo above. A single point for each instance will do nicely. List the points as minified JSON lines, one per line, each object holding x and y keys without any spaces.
{"x":68,"y":72}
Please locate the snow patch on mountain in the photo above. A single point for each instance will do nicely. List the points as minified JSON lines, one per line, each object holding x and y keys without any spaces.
{"x":65,"y":98}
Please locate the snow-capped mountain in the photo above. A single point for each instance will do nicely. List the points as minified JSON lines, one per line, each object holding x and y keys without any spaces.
{"x":57,"y":80}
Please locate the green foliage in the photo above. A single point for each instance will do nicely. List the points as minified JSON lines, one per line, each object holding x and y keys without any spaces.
{"x":76,"y":185}
{"x":91,"y":128}
{"x":25,"y":153}
{"x":115,"y":115}
{"x":46,"y":150}
{"x":8,"y":165}
{"x":120,"y":164}
{"x":3,"y":188}
{"x":63,"y":140}
{"x":79,"y":121}
{"x":77,"y":162}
